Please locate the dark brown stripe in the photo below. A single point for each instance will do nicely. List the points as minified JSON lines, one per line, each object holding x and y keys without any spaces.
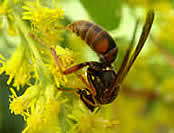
{"x":99,"y":37}
{"x":84,"y":28}
{"x":78,"y":27}
{"x":73,"y":27}
{"x":91,"y":34}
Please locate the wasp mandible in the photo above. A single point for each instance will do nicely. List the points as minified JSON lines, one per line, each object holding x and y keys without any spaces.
{"x":103,"y":82}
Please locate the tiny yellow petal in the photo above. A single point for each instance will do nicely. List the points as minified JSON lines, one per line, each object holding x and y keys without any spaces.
{"x":13,"y":92}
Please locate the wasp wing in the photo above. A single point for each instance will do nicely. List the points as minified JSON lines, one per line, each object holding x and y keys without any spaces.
{"x":128,"y":61}
{"x":127,"y":55}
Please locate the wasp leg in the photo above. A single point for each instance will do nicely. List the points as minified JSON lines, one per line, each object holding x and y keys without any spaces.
{"x":89,"y":86}
{"x":74,"y":69}
{"x":39,"y":41}
{"x":85,"y":95}
{"x":53,"y":51}
{"x":56,"y":58}
{"x":74,"y":91}
{"x":83,"y":80}
{"x":88,"y":99}
{"x":71,"y":69}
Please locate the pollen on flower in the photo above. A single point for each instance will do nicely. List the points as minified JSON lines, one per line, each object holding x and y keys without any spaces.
{"x":18,"y":107}
{"x":44,"y":21}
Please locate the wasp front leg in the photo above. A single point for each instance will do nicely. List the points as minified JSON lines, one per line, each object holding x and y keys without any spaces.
{"x":71,"y":69}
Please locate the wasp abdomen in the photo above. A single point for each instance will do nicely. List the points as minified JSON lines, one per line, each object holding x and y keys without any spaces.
{"x":86,"y":30}
{"x":98,"y":39}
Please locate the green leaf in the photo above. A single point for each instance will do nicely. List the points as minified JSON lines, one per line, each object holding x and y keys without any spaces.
{"x":106,"y":13}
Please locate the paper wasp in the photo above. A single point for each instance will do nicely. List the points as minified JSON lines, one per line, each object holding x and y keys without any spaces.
{"x":103,"y":82}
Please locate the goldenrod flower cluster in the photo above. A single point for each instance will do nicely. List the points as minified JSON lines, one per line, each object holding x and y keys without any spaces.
{"x":44,"y":21}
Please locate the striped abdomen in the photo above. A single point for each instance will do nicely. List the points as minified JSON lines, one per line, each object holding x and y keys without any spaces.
{"x":98,"y":39}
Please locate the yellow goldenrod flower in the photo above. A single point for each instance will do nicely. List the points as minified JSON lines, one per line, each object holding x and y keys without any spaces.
{"x":44,"y":21}
{"x":66,"y":59}
{"x":21,"y":104}
{"x":18,"y":67}
{"x":87,"y":122}
{"x":43,"y":116}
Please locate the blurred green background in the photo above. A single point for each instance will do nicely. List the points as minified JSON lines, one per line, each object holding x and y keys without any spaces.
{"x":146,"y":101}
